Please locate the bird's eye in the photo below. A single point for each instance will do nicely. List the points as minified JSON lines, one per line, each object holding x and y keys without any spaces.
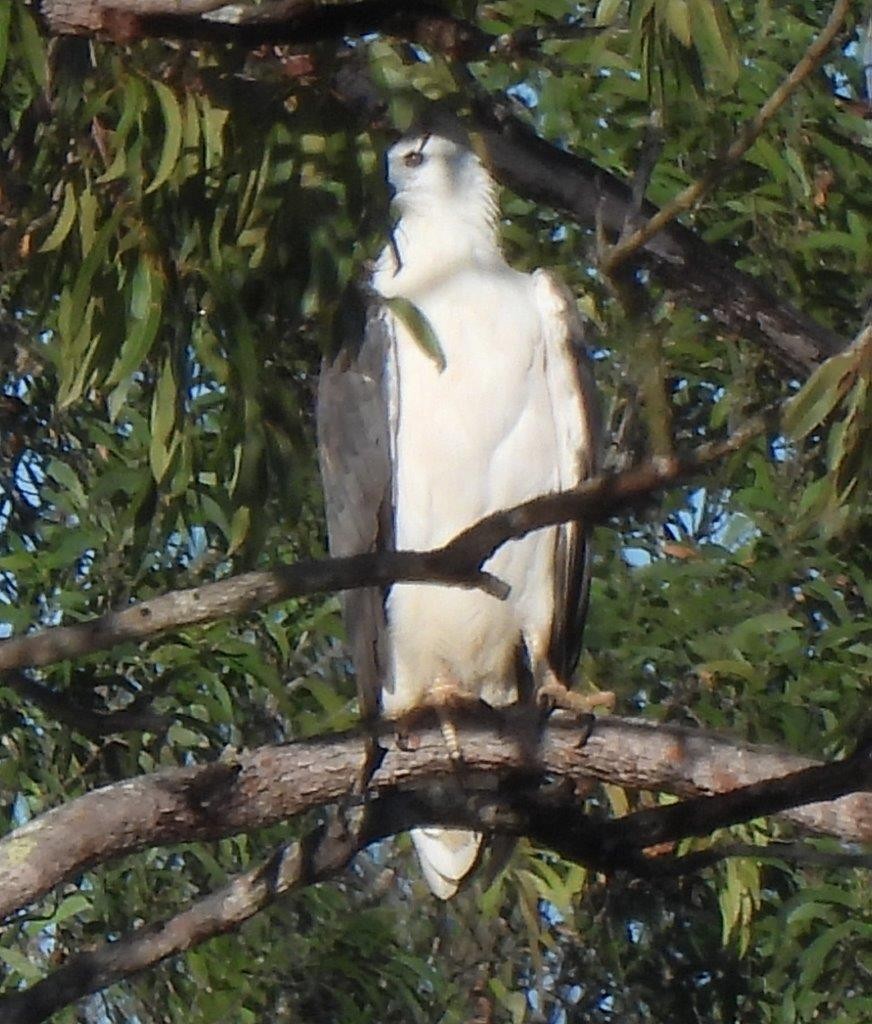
{"x":413,"y":159}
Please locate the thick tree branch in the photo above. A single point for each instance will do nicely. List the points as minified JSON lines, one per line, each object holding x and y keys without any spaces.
{"x":458,"y":563}
{"x":693,"y":271}
{"x":521,"y":806}
{"x":280,"y":21}
{"x":273,"y":784}
{"x":680,"y":260}
{"x":323,"y":854}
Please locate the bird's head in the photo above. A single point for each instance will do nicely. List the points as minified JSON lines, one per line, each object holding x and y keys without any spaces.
{"x":433,"y":173}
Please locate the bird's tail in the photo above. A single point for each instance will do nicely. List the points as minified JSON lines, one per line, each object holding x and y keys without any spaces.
{"x":447,"y":856}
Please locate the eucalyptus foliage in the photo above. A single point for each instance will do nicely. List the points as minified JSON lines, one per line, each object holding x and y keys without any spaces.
{"x":179,"y":223}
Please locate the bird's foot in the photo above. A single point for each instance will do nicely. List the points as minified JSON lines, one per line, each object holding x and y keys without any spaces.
{"x":447,"y":701}
{"x":552,"y":695}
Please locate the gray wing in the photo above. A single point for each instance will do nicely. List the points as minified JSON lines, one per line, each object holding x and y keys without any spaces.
{"x":572,"y":562}
{"x":354,"y":453}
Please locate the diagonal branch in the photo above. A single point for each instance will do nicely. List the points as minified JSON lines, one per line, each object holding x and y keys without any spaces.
{"x":294,"y":865}
{"x":740,"y":145}
{"x":695,"y":272}
{"x":238,"y":595}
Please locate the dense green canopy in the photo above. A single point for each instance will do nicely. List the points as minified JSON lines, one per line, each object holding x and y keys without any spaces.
{"x":181,"y":213}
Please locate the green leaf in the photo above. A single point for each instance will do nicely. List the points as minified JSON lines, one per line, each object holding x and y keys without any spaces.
{"x":180,"y":736}
{"x":146,"y":308}
{"x":715,"y":41}
{"x":70,"y":907}
{"x":678,"y":20}
{"x":81,"y":291}
{"x":514,"y":1002}
{"x":20,"y":963}
{"x":729,"y":667}
{"x":606,"y":12}
{"x":64,"y":222}
{"x":172,"y":143}
{"x":134,"y":99}
{"x":5,"y":20}
{"x":32,"y":46}
{"x":819,"y":396}
{"x":213,"y":121}
{"x":80,"y":351}
{"x":163,"y":417}
{"x":64,"y":475}
{"x":813,"y":958}
{"x":239,"y":527}
{"x":417,"y":324}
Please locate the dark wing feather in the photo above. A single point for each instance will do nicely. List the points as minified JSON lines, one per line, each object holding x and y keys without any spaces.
{"x":572,"y":560}
{"x":354,"y":452}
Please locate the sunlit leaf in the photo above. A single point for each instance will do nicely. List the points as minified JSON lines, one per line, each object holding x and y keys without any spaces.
{"x":606,"y":11}
{"x":819,"y":396}
{"x":33,"y":45}
{"x":5,"y":22}
{"x":172,"y":141}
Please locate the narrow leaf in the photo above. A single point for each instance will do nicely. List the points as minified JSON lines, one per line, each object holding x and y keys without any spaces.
{"x":163,"y":415}
{"x":820,"y":395}
{"x":64,"y":222}
{"x":172,"y":143}
{"x":417,"y":324}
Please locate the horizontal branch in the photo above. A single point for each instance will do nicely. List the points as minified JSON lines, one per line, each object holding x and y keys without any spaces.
{"x":457,"y":563}
{"x":273,"y":22}
{"x":235,"y":596}
{"x":272,"y":784}
{"x":552,"y":819}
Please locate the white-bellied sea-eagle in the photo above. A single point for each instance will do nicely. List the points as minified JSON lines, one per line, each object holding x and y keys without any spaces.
{"x":419,"y":440}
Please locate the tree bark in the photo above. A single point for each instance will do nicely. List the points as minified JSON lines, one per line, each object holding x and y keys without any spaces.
{"x":272,"y":784}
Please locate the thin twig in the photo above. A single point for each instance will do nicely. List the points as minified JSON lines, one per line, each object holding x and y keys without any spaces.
{"x":93,"y":724}
{"x":740,"y":144}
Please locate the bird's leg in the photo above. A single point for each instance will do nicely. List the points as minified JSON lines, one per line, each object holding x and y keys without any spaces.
{"x":447,"y":698}
{"x":446,"y":695}
{"x":373,"y":755}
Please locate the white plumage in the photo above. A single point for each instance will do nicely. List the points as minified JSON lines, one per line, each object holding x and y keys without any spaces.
{"x":505,"y":419}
